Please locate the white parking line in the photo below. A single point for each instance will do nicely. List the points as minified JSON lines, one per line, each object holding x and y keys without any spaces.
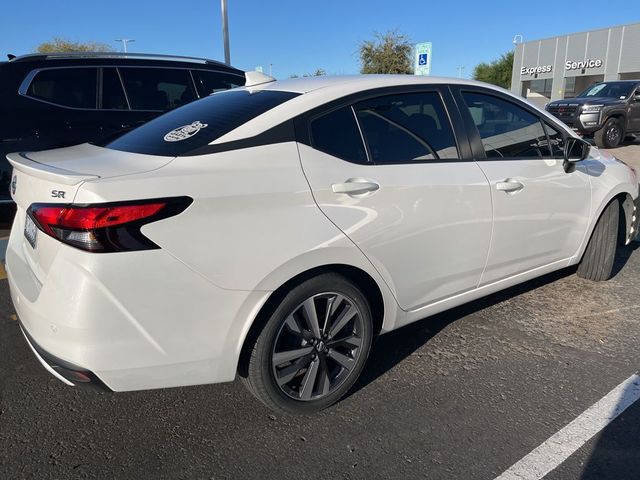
{"x":560,"y":446}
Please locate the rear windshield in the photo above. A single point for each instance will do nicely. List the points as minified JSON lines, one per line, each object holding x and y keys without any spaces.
{"x":199,"y":123}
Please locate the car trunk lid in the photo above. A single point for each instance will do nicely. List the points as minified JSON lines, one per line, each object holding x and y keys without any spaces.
{"x":54,"y":177}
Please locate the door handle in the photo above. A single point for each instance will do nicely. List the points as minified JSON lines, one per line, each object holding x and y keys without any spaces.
{"x":355,"y":186}
{"x":509,"y":186}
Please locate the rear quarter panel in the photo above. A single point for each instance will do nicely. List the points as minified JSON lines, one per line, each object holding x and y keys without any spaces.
{"x":253,"y":224}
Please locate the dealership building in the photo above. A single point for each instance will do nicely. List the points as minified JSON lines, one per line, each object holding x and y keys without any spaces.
{"x":562,"y":67}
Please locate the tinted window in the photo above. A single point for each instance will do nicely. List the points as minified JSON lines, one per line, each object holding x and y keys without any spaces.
{"x":405,"y":128}
{"x":556,"y":141}
{"x":112,"y":94}
{"x":337,"y":134}
{"x":201,"y":122}
{"x":211,"y":82}
{"x":507,"y":131}
{"x":157,"y":88}
{"x":608,"y":90}
{"x":72,"y":87}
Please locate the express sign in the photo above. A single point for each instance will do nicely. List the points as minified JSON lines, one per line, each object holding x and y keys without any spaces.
{"x":588,"y":63}
{"x":535,"y":70}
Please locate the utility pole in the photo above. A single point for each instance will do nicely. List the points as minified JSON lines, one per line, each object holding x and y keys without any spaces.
{"x":460,"y":69}
{"x":124,"y":42}
{"x":225,"y":32}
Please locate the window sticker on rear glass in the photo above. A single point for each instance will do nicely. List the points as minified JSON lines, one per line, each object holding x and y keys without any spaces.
{"x":184,"y":132}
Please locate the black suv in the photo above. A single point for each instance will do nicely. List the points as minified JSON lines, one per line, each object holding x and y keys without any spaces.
{"x":608,"y":110}
{"x":57,"y":100}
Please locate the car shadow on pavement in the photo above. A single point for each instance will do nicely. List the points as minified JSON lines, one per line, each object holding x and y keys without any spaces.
{"x":616,"y":454}
{"x":392,"y":348}
{"x":623,"y":255}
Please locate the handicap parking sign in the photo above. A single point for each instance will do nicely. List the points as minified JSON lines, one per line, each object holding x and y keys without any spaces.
{"x":422,"y":58}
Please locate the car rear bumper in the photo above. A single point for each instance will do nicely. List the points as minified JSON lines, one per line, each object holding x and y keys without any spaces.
{"x":64,"y":371}
{"x":130,"y":322}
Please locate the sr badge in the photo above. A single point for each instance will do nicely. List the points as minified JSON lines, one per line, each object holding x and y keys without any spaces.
{"x":184,"y":132}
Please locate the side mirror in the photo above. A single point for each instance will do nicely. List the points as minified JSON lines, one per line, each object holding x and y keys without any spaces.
{"x":575,"y":150}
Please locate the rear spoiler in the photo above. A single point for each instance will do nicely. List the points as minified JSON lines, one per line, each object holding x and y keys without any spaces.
{"x":24,"y":164}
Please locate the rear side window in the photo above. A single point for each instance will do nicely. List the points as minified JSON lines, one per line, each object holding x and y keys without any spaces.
{"x":112,"y":93}
{"x":407,"y":128}
{"x":157,"y":88}
{"x":337,"y":134}
{"x":506,"y":130}
{"x":212,"y":82}
{"x":70,"y":87}
{"x":201,"y":122}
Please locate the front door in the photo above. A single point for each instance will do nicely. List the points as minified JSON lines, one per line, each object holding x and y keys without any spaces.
{"x":540,"y":211}
{"x":634,"y":112}
{"x":387,"y":171}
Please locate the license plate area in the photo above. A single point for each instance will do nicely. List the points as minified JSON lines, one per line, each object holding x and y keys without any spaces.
{"x":31,"y":232}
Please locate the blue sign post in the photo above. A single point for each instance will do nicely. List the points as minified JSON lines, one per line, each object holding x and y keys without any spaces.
{"x":422,"y":60}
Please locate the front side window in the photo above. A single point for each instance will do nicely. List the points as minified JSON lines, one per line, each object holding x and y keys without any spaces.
{"x":70,"y":87}
{"x":199,"y":123}
{"x":406,"y":128}
{"x":337,"y":134}
{"x":211,"y":82}
{"x":556,"y":141}
{"x":506,"y":130}
{"x":157,"y":88}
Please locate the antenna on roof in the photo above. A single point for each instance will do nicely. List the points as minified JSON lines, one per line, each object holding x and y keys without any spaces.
{"x":10,"y":56}
{"x":257,"y":78}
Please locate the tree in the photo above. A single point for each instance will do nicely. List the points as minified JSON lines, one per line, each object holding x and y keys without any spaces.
{"x":318,"y":73}
{"x":59,"y":44}
{"x":497,"y":72}
{"x":386,"y":53}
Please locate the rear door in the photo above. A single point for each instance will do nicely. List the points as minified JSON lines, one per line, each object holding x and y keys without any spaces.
{"x":540,"y":211}
{"x":387,"y":170}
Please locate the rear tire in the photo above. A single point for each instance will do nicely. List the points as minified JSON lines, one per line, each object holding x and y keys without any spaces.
{"x":611,"y":135}
{"x":298,"y":365}
{"x":597,"y":261}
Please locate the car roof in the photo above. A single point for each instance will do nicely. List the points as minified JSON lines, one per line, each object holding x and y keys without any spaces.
{"x":358,"y":83}
{"x":115,"y":58}
{"x":317,"y":91}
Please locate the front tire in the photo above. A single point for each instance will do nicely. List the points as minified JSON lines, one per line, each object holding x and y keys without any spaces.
{"x":597,"y":262}
{"x":611,"y":135}
{"x":313,"y":346}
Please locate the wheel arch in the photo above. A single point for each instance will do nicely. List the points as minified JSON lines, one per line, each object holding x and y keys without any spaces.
{"x":626,"y":210}
{"x":358,"y":276}
{"x":618,"y":115}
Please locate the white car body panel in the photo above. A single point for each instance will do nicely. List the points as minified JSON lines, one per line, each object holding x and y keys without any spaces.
{"x":435,"y":235}
{"x":542,"y":223}
{"x":398,"y":228}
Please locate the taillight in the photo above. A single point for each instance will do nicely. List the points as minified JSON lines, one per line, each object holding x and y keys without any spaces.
{"x":106,"y":227}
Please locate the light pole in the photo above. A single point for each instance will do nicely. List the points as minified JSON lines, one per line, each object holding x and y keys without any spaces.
{"x":517,"y":39}
{"x":460,"y":69}
{"x":124,"y":42}
{"x":225,"y":32}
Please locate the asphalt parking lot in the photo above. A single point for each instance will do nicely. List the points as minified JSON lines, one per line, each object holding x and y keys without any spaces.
{"x":462,"y":395}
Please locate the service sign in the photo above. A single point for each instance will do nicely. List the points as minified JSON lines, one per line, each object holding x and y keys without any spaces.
{"x":588,"y":63}
{"x":422,"y":61}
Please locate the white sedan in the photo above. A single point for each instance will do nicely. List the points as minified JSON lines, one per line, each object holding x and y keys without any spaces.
{"x":272,"y":231}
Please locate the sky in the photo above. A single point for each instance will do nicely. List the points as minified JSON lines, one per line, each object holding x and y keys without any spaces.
{"x":298,"y":37}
